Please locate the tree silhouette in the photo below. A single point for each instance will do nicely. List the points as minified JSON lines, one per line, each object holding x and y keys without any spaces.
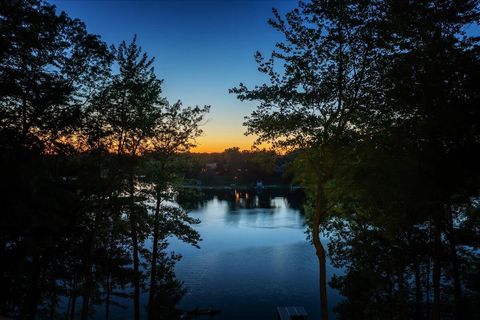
{"x":379,"y":99}
{"x":73,"y":139}
{"x":49,"y":68}
{"x":328,"y":64}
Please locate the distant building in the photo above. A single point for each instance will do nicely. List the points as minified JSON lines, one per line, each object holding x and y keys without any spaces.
{"x":291,"y":313}
{"x":211,"y":166}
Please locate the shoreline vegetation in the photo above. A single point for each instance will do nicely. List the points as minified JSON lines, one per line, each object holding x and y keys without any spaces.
{"x":242,"y":186}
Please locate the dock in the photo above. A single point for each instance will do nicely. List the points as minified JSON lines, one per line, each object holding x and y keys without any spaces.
{"x":291,"y":313}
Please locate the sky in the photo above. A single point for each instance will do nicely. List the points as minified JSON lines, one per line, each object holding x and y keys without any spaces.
{"x":202,"y":48}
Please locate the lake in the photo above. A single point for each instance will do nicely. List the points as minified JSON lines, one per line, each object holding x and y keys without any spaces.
{"x":254,"y":256}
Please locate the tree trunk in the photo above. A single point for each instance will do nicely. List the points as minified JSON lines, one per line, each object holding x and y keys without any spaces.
{"x":87,"y":287}
{"x":320,"y":251}
{"x":69,"y":303}
{"x":457,"y":288}
{"x":109,"y":274}
{"x":136,"y":275}
{"x":403,"y":301}
{"x":73,"y":296}
{"x":437,"y":233}
{"x":30,"y":308}
{"x":53,"y":301}
{"x":153,"y":264}
{"x":107,"y":298}
{"x":427,"y":278}
{"x":136,"y":263}
{"x":418,"y":290}
{"x":389,"y":285}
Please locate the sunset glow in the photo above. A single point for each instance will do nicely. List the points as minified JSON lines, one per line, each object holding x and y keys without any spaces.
{"x":193,"y":70}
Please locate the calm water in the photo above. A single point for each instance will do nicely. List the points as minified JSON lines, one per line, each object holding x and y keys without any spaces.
{"x":254,"y":257}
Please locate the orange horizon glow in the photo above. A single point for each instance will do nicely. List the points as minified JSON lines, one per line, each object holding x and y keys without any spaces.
{"x":222,"y":132}
{"x":219,"y":144}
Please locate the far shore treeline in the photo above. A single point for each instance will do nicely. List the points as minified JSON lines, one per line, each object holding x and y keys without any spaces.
{"x":232,"y":167}
{"x":371,"y":106}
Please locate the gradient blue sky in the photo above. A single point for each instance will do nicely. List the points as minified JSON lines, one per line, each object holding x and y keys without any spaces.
{"x":202,"y":48}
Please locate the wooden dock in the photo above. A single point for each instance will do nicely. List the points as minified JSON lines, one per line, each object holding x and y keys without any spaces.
{"x":292,"y":313}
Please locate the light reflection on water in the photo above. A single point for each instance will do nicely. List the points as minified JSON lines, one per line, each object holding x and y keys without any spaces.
{"x":252,"y":259}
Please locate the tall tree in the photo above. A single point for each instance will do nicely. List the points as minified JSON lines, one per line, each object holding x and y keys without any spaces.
{"x":132,"y":119}
{"x":49,"y":64}
{"x":175,"y":133}
{"x":321,"y":77}
{"x":432,"y":94}
{"x":72,"y":134}
{"x":131,"y":106}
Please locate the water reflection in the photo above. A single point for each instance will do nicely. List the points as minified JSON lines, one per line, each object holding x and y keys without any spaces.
{"x":236,"y":198}
{"x":254,"y":255}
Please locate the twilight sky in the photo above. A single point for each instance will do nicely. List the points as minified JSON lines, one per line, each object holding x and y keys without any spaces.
{"x":202,"y":48}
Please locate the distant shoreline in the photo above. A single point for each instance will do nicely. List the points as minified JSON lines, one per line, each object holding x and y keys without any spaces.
{"x":241,"y":186}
